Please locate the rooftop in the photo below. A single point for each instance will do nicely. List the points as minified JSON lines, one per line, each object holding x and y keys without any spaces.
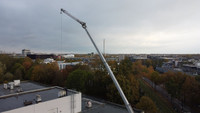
{"x":98,"y":107}
{"x":26,"y":86}
{"x":10,"y":99}
{"x":102,"y":106}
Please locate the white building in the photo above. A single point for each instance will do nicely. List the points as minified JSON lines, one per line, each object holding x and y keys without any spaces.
{"x":197,"y":64}
{"x":62,"y":64}
{"x":139,"y":57}
{"x":34,"y":98}
{"x":37,"y":98}
{"x":68,"y":56}
{"x":48,"y":60}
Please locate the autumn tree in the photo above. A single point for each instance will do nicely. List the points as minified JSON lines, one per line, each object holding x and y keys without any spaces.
{"x":173,"y":83}
{"x":130,"y":87}
{"x":190,"y":91}
{"x":113,"y":65}
{"x":149,"y":72}
{"x":27,"y":63}
{"x":147,"y":62}
{"x":125,"y":67}
{"x":45,"y":73}
{"x":147,"y":105}
{"x":138,"y":69}
{"x":96,"y":64}
{"x":156,"y":78}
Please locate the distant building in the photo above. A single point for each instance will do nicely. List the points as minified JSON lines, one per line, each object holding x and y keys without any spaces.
{"x":197,"y":64}
{"x":48,"y":60}
{"x":25,"y":52}
{"x":68,"y":56}
{"x":121,"y":57}
{"x":41,"y":56}
{"x":133,"y":58}
{"x":62,"y":64}
{"x":190,"y":69}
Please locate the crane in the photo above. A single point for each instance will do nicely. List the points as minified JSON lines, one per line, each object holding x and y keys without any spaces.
{"x":128,"y":106}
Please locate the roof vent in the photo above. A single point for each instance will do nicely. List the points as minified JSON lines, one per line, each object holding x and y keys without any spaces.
{"x":19,"y":90}
{"x":26,"y":103}
{"x":5,"y":86}
{"x":11,"y":85}
{"x":88,"y":104}
{"x":62,"y":93}
{"x":16,"y":82}
{"x":38,"y":99}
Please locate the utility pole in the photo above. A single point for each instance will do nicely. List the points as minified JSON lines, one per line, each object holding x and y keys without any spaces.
{"x":128,"y":106}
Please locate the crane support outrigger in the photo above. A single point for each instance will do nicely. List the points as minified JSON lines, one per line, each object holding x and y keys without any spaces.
{"x":128,"y":106}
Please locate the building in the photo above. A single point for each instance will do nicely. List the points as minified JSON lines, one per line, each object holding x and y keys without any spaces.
{"x":190,"y":69}
{"x":41,"y":56}
{"x":25,"y":52}
{"x":36,"y":98}
{"x":32,"y":97}
{"x":138,"y":57}
{"x":62,"y":64}
{"x":48,"y":60}
{"x":68,"y":56}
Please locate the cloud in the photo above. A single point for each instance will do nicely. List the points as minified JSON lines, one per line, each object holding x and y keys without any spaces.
{"x":128,"y":26}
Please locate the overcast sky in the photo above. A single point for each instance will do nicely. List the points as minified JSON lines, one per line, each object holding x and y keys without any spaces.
{"x":128,"y":26}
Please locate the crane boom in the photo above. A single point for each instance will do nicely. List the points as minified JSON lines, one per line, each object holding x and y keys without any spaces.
{"x":128,"y":106}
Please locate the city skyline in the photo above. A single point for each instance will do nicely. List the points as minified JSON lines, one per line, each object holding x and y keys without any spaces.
{"x":169,"y":27}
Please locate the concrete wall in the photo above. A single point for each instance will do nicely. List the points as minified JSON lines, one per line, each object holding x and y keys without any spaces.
{"x":68,"y":104}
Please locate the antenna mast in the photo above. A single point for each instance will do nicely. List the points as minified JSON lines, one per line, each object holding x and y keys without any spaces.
{"x":128,"y":106}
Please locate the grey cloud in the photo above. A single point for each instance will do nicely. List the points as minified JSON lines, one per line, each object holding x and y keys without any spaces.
{"x":127,"y":26}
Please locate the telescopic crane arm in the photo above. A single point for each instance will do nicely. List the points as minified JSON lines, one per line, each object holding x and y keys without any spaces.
{"x":80,"y":22}
{"x":128,"y":106}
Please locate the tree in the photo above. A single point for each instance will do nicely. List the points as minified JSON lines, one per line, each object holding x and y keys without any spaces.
{"x":156,"y":78}
{"x":27,"y":63}
{"x":8,"y":77}
{"x":197,"y":78}
{"x":113,"y":65}
{"x":174,"y":82}
{"x":7,"y":61}
{"x":18,"y":71}
{"x":138,"y":69}
{"x":158,"y":62}
{"x":190,"y":91}
{"x":100,"y":81}
{"x":18,"y":74}
{"x":125,"y":67}
{"x":78,"y":80}
{"x":147,"y":105}
{"x":2,"y":71}
{"x":130,"y":87}
{"x":45,"y":73}
{"x":147,"y":62}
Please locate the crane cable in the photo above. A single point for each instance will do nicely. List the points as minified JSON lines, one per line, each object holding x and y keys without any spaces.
{"x":61,"y":34}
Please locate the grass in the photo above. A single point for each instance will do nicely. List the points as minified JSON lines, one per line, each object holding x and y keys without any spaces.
{"x":161,"y":104}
